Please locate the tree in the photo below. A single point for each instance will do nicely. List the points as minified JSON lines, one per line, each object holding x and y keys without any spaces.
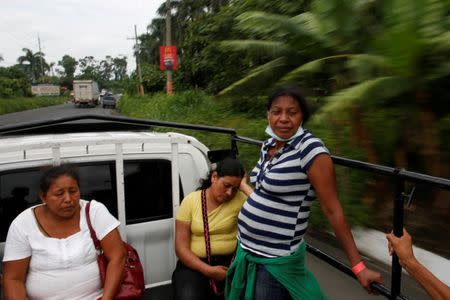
{"x":152,"y":78}
{"x":119,"y":68}
{"x":89,"y":68}
{"x":311,"y":48}
{"x":51,"y":65}
{"x":14,"y":82}
{"x":33,"y":64}
{"x":106,"y":68}
{"x":182,"y":13}
{"x":150,"y":41}
{"x":410,"y":81}
{"x":198,"y":25}
{"x":408,"y":59}
{"x":285,"y":48}
{"x":205,"y":65}
{"x":69,"y":65}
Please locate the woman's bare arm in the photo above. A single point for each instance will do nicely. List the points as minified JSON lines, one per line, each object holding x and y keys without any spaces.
{"x":323,"y":178}
{"x":114,"y":250}
{"x":402,"y":246}
{"x":14,"y":276}
{"x":245,"y":187}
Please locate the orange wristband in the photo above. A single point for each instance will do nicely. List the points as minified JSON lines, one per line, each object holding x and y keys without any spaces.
{"x":356,"y":269}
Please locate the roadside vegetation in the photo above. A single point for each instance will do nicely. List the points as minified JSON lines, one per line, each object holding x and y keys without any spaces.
{"x":197,"y":107}
{"x":10,"y":105}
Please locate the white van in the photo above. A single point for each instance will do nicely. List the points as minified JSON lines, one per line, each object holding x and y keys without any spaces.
{"x":140,"y":176}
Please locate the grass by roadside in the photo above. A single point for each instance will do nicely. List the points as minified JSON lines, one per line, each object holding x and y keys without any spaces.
{"x":196,"y":107}
{"x":11,"y":105}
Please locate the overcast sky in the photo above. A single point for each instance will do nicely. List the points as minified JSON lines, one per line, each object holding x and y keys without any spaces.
{"x":78,"y":28}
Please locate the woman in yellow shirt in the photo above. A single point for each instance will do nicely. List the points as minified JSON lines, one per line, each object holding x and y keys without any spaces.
{"x":192,"y":276}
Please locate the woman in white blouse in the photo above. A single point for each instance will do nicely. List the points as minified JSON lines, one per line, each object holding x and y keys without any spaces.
{"x":49,"y":253}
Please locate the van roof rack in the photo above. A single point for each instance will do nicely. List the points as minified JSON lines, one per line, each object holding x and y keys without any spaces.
{"x":102,"y":123}
{"x":94,"y":122}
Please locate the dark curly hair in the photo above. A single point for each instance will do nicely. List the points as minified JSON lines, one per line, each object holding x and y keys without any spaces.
{"x":50,"y":173}
{"x":227,"y":167}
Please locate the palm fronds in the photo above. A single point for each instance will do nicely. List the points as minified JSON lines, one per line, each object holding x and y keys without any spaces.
{"x":257,"y":48}
{"x":258,"y":79}
{"x":370,"y":91}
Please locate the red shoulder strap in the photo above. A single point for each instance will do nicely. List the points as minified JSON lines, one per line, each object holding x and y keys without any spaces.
{"x":91,"y":230}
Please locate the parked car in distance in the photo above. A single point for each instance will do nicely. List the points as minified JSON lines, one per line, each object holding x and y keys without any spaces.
{"x":109,"y":101}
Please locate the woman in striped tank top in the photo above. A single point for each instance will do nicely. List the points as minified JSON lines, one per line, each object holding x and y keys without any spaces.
{"x":294,"y":166}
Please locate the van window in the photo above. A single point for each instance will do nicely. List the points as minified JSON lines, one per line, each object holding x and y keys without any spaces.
{"x":98,"y":181}
{"x":148,"y":190}
{"x":18,"y":191}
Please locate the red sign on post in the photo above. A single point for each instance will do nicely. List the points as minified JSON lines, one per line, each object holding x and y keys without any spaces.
{"x":168,"y":58}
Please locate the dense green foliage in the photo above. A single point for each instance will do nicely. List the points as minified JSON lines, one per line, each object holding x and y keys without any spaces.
{"x":33,"y":64}
{"x":25,"y":103}
{"x":194,"y":107}
{"x":198,"y":28}
{"x":107,"y":72}
{"x":13,"y":82}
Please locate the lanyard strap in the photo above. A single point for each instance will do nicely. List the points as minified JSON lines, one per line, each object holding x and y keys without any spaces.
{"x":206,"y":227}
{"x":212,"y":282}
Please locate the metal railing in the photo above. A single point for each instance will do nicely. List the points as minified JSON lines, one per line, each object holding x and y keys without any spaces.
{"x":399,"y":176}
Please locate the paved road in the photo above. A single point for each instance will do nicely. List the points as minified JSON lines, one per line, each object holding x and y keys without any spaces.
{"x":51,"y":112}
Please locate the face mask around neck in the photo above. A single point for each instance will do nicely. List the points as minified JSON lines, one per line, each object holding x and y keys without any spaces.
{"x":270,"y":132}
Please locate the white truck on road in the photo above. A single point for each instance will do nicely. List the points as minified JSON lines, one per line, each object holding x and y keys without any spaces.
{"x":85,"y":92}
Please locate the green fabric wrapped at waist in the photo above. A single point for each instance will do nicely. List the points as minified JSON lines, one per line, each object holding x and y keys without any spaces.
{"x":290,"y":271}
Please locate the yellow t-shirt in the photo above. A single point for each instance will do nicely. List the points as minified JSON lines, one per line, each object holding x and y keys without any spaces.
{"x":222,"y":223}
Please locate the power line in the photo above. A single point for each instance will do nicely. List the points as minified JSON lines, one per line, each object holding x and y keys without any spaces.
{"x":138,"y":64}
{"x":15,"y":40}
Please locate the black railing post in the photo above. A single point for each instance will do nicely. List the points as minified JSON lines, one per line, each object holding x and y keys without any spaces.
{"x":396,"y":279}
{"x":234,"y":146}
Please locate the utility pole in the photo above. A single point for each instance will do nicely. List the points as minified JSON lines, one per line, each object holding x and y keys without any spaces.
{"x":169,"y":82}
{"x":138,"y":61}
{"x":40,"y":56}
